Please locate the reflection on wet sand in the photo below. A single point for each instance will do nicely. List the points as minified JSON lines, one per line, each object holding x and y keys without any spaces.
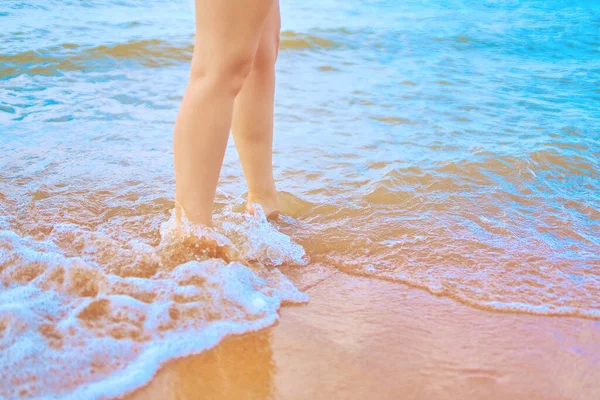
{"x":241,"y":367}
{"x":361,"y":338}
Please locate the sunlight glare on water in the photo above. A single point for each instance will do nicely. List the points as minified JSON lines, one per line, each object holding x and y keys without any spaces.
{"x":453,"y":145}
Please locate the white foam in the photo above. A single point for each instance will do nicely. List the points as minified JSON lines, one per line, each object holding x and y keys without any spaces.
{"x":259,"y":240}
{"x":69,"y":328}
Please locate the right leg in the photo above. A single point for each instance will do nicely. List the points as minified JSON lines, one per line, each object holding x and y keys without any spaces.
{"x":252,"y":124}
{"x":226,"y":40}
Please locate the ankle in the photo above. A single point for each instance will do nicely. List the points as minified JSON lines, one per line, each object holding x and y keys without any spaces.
{"x":265,"y":194}
{"x":267,"y":199}
{"x":185,"y":214}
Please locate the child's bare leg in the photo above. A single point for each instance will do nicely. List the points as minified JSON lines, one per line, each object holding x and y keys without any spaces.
{"x":227,"y":36}
{"x":252,"y":124}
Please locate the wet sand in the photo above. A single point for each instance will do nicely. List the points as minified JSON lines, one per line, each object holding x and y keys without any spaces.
{"x":363,"y":338}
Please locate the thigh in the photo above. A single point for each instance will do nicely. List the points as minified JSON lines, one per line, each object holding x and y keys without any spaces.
{"x":272,"y":28}
{"x":228,"y":29}
{"x":266,"y":54}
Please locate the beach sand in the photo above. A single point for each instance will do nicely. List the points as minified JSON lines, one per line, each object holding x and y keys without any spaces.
{"x":363,"y":338}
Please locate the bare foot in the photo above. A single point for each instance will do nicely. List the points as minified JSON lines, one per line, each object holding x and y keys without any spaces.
{"x":269,"y":203}
{"x":212,"y":245}
{"x":200,"y":236}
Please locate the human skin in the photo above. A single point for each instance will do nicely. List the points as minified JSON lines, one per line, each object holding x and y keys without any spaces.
{"x":252,"y":125}
{"x":235,"y":49}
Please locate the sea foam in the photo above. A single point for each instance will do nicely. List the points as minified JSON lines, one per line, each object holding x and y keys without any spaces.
{"x":69,"y":328}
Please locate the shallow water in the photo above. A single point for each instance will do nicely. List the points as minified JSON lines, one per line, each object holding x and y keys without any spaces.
{"x":451,"y":145}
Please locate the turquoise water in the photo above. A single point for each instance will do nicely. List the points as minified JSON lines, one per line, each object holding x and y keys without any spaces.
{"x":450,"y":145}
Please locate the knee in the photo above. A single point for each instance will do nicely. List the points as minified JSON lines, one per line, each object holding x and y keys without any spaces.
{"x":266,"y":56}
{"x":224,"y":74}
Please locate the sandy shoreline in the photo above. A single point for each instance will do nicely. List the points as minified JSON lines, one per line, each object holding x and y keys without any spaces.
{"x":363,"y":338}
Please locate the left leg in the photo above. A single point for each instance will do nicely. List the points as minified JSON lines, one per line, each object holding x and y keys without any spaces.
{"x":252,"y":124}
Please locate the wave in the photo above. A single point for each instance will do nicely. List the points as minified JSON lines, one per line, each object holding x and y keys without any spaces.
{"x":69,"y":328}
{"x":369,"y":43}
{"x":67,"y":57}
{"x":150,"y":53}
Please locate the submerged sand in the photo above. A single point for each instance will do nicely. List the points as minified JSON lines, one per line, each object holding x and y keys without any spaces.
{"x":363,"y":338}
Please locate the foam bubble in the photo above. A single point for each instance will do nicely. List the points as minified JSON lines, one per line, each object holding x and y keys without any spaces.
{"x":71,"y":327}
{"x":259,"y":240}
